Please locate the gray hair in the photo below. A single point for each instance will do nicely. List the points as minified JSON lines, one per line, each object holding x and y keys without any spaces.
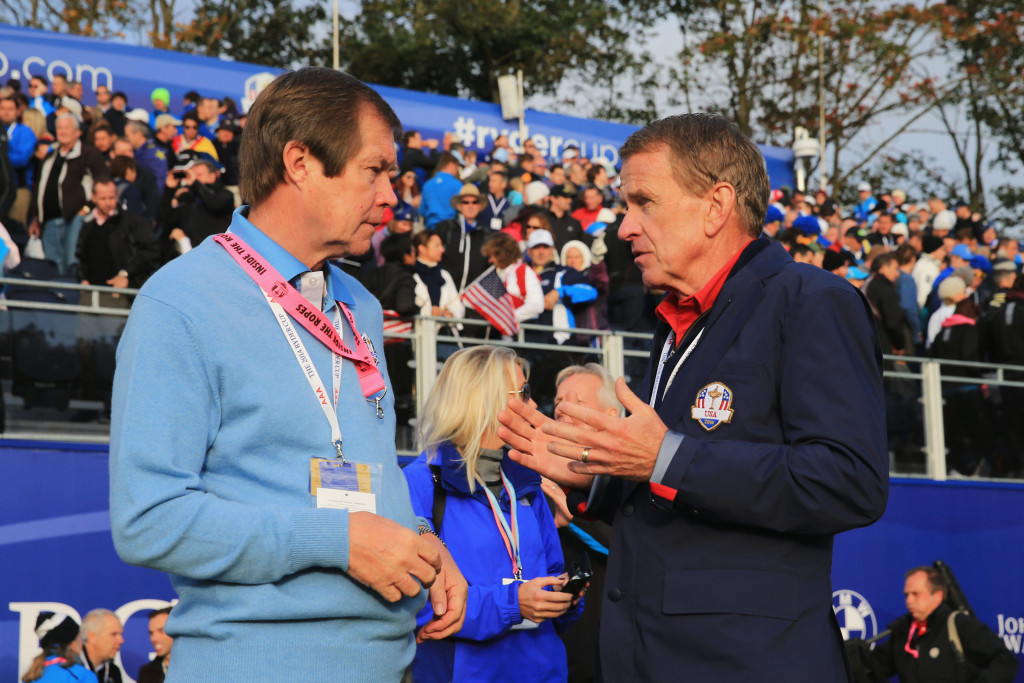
{"x":68,"y":115}
{"x":606,"y":396}
{"x":141,"y":128}
{"x":93,"y":621}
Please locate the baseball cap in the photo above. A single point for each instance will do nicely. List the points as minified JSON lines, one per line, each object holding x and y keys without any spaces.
{"x":563,"y":190}
{"x":808,"y":225}
{"x":540,"y":237}
{"x":167,"y":120}
{"x":962,"y":251}
{"x":774,"y":215}
{"x":856,"y":273}
{"x":139,"y":114}
{"x":405,"y":212}
{"x":864,"y":187}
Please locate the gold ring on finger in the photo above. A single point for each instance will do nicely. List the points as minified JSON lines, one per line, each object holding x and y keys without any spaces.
{"x":586,"y":455}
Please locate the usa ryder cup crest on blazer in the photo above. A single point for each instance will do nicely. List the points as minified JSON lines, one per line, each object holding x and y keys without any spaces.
{"x":713,"y":406}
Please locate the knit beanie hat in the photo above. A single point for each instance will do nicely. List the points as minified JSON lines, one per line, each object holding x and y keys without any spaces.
{"x":161,"y":94}
{"x":55,"y":629}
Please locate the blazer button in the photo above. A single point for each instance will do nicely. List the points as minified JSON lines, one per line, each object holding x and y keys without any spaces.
{"x":627,"y":510}
{"x":615,"y":595}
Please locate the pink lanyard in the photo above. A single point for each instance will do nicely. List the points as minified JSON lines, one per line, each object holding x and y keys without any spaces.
{"x":297,"y":306}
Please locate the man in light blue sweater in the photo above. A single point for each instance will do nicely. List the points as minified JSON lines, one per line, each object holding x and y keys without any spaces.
{"x":221,"y":422}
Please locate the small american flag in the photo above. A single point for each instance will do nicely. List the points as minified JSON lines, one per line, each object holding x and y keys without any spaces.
{"x":488,"y":297}
{"x":395,"y":324}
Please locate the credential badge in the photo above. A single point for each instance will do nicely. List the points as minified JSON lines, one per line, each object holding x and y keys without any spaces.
{"x":369,"y":345}
{"x":713,"y":406}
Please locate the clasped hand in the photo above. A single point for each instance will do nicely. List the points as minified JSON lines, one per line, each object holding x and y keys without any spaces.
{"x":395,"y":561}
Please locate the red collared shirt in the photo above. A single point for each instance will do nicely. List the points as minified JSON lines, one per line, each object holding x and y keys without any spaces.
{"x":679,"y":314}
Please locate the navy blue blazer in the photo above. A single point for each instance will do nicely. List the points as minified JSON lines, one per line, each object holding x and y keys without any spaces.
{"x":730,"y":580}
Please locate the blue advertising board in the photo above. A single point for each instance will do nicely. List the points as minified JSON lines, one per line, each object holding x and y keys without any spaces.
{"x":976,"y":528}
{"x":56,"y":553}
{"x":136,"y":71}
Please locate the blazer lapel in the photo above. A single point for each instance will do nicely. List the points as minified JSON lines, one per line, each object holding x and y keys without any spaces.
{"x":737,"y":300}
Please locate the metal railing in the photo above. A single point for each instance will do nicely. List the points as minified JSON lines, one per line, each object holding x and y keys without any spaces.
{"x":612,"y":350}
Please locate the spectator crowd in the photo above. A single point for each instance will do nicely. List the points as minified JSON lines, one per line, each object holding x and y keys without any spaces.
{"x":107,"y":193}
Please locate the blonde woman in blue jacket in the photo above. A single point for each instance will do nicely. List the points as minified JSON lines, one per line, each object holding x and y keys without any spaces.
{"x":509,"y":553}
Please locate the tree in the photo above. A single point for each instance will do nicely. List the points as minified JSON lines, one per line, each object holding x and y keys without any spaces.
{"x":163,"y":31}
{"x":918,"y":174}
{"x":259,"y":31}
{"x":459,"y":47}
{"x":984,"y":41}
{"x":93,"y":18}
{"x":757,"y":63}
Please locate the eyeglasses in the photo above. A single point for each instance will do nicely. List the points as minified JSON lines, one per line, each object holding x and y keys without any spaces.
{"x":470,"y":201}
{"x":191,"y":127}
{"x":524,"y":393}
{"x":534,"y":225}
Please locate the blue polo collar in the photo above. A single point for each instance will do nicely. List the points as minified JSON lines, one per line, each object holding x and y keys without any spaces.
{"x":283,"y":262}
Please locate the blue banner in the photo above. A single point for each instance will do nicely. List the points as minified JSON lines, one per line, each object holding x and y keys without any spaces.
{"x":976,"y":528}
{"x":137,"y":71}
{"x":56,"y":553}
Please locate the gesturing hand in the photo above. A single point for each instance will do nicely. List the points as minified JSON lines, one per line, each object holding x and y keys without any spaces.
{"x":622,"y":447}
{"x":521,"y":429}
{"x":537,"y":604}
{"x":389,"y":558}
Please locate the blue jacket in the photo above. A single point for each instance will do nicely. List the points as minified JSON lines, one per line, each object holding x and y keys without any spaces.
{"x":907,"y":290}
{"x":863,"y":209}
{"x":436,"y":200}
{"x":153,"y":158}
{"x":727,"y":578}
{"x":21,"y":143}
{"x":76,"y":673}
{"x":487,"y":649}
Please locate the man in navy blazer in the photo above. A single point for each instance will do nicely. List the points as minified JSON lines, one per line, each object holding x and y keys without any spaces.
{"x":759,"y":433}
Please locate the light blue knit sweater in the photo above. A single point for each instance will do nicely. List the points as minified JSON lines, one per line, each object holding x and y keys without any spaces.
{"x":213,"y":428}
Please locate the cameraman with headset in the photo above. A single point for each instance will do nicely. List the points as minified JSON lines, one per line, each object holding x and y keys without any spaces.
{"x":195,"y":205}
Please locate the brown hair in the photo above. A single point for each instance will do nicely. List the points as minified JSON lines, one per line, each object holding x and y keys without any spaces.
{"x":525,"y":216}
{"x":708,"y":149}
{"x":120,"y":165}
{"x":936,"y":581}
{"x":503,"y":248}
{"x":422,"y":238}
{"x":317,"y":107}
{"x":906,"y":253}
{"x":38,"y":666}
